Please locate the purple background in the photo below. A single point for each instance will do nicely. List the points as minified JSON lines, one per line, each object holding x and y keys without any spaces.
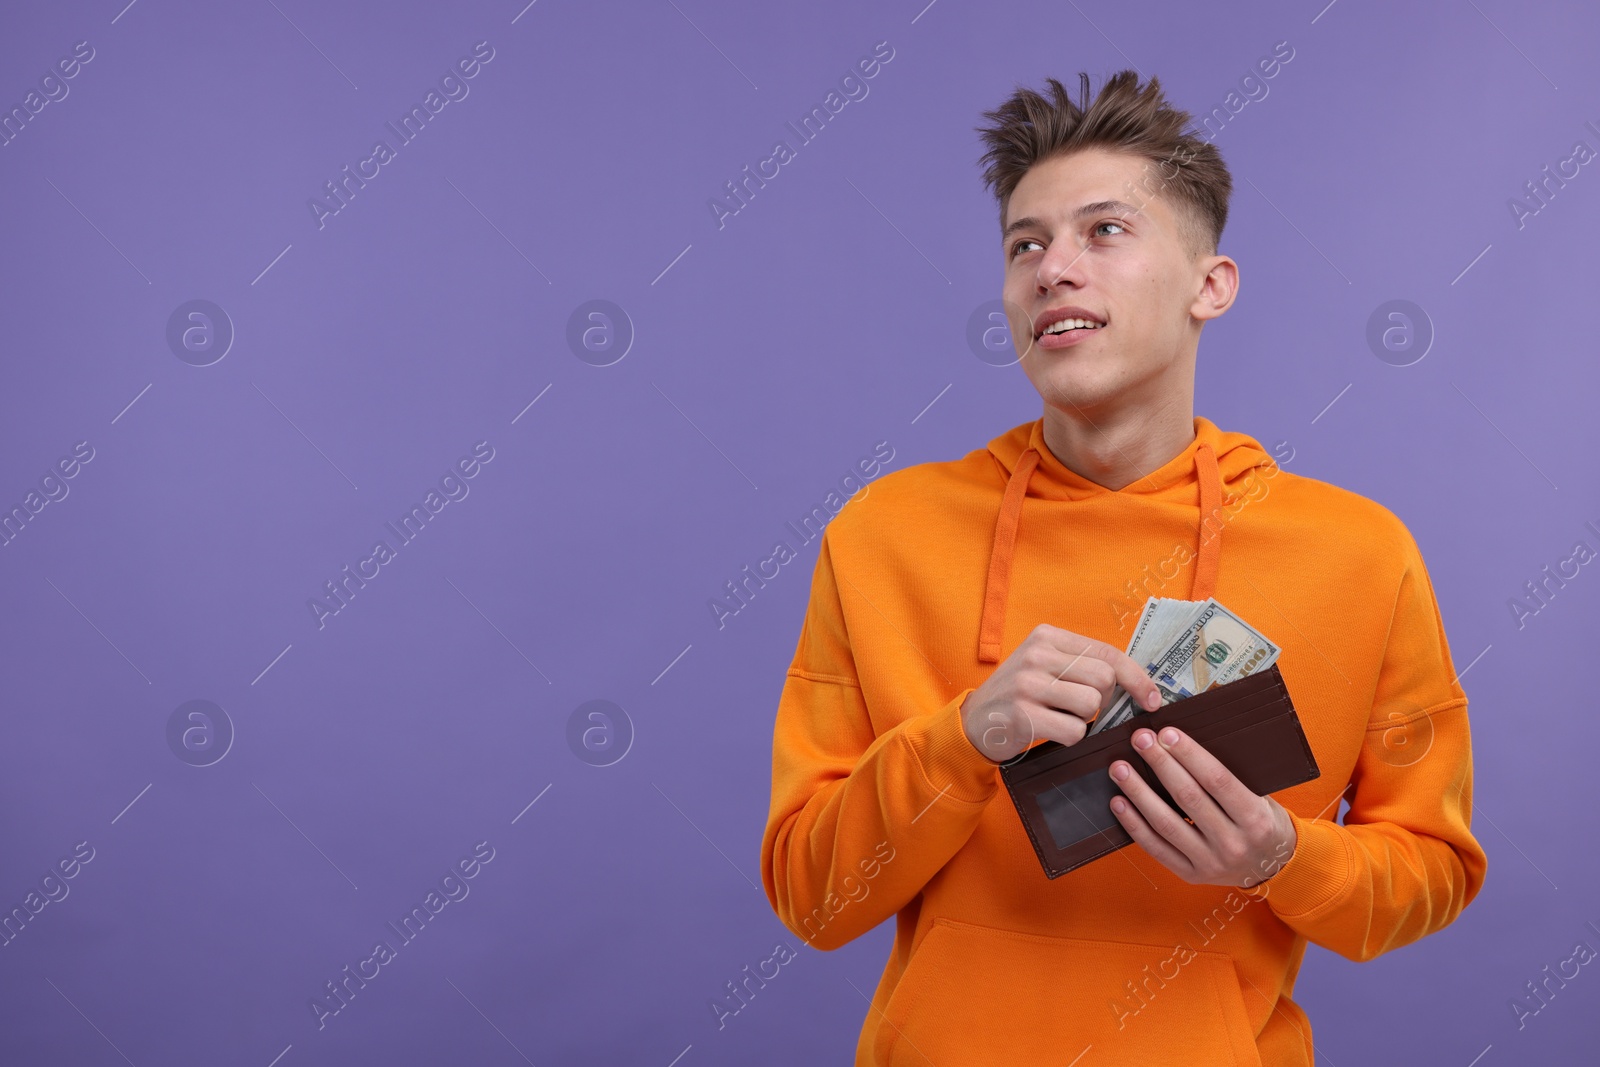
{"x":770,"y":354}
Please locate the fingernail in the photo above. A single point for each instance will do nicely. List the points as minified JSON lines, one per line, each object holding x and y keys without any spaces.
{"x":1169,"y":737}
{"x":1152,"y":700}
{"x":1119,"y":771}
{"x":1118,"y":805}
{"x":1143,"y":739}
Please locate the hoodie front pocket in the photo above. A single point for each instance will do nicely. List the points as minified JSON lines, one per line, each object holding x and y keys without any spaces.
{"x":974,"y":995}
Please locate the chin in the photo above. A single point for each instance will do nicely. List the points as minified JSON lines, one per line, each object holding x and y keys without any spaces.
{"x":1074,"y":391}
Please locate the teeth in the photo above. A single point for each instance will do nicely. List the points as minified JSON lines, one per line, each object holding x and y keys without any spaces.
{"x":1071,"y":324}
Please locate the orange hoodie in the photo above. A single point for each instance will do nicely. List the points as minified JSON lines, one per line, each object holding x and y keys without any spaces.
{"x":882,"y":807}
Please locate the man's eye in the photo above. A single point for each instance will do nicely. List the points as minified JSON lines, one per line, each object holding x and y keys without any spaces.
{"x":1108,"y":222}
{"x":1016,"y":248}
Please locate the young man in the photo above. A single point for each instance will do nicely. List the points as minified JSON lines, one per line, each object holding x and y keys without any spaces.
{"x":962,"y":611}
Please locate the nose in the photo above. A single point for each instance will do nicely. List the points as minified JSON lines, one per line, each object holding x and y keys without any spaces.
{"x":1062,"y":263}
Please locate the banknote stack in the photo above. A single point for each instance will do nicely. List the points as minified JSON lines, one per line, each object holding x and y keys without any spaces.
{"x":1188,"y":646}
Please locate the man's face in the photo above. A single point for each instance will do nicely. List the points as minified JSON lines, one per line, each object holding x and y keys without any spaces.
{"x":1091,"y":230}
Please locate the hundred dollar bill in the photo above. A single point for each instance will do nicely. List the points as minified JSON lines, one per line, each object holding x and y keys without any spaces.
{"x":1159,"y":623}
{"x":1216,"y":647}
{"x":1223,"y":647}
{"x":1171,"y":618}
{"x":1213,"y":647}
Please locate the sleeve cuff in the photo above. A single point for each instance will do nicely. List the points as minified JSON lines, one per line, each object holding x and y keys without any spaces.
{"x":949,"y":761}
{"x":1316,"y":874}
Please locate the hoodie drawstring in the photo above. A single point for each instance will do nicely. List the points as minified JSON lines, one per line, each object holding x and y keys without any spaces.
{"x":998,"y":587}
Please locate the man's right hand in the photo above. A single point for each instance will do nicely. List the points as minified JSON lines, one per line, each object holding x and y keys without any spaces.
{"x":1048,"y":690}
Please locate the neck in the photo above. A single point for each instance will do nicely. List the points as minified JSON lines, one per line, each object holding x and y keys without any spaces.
{"x":1115,"y":449}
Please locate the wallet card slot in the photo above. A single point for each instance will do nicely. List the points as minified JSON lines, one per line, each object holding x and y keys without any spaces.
{"x":1214,"y":705}
{"x":1266,"y":762}
{"x":1263,"y":767}
{"x":1078,"y":808}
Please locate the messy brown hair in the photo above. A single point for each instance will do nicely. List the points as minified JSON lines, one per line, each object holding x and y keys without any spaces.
{"x":1028,"y":129}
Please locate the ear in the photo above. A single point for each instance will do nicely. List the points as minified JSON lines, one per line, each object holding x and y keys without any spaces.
{"x":1219,"y":285}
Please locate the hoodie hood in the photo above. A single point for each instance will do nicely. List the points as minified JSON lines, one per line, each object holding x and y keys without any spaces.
{"x":1200,"y":475}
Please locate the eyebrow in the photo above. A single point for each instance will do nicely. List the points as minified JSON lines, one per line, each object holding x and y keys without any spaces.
{"x":1096,"y":208}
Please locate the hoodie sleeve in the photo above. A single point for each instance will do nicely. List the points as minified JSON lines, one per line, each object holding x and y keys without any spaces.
{"x":860,"y":821}
{"x":1404,"y":863}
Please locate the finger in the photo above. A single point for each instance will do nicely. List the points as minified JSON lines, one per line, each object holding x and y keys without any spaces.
{"x":1234,"y":798}
{"x":1131,"y":676}
{"x":1085,"y":667}
{"x":1073,"y":698}
{"x":1188,"y":793}
{"x":1146,"y":838}
{"x":1052,"y":725}
{"x":1158,"y":813}
{"x":1089,"y":658}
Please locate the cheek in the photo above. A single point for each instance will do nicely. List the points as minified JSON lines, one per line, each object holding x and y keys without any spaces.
{"x":1016,"y":287}
{"x":1017,"y":299}
{"x":1165,"y":309}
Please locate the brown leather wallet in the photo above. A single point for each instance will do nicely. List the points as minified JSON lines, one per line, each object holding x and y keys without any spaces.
{"x":1063,"y":792}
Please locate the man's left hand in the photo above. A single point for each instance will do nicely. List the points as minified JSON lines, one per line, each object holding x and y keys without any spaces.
{"x":1238,"y":838}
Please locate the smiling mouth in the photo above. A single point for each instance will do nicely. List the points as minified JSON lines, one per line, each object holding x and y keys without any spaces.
{"x":1055,"y":329}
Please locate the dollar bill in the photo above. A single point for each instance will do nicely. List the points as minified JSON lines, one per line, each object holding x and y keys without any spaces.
{"x":1188,"y":647}
{"x":1160,"y":621}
